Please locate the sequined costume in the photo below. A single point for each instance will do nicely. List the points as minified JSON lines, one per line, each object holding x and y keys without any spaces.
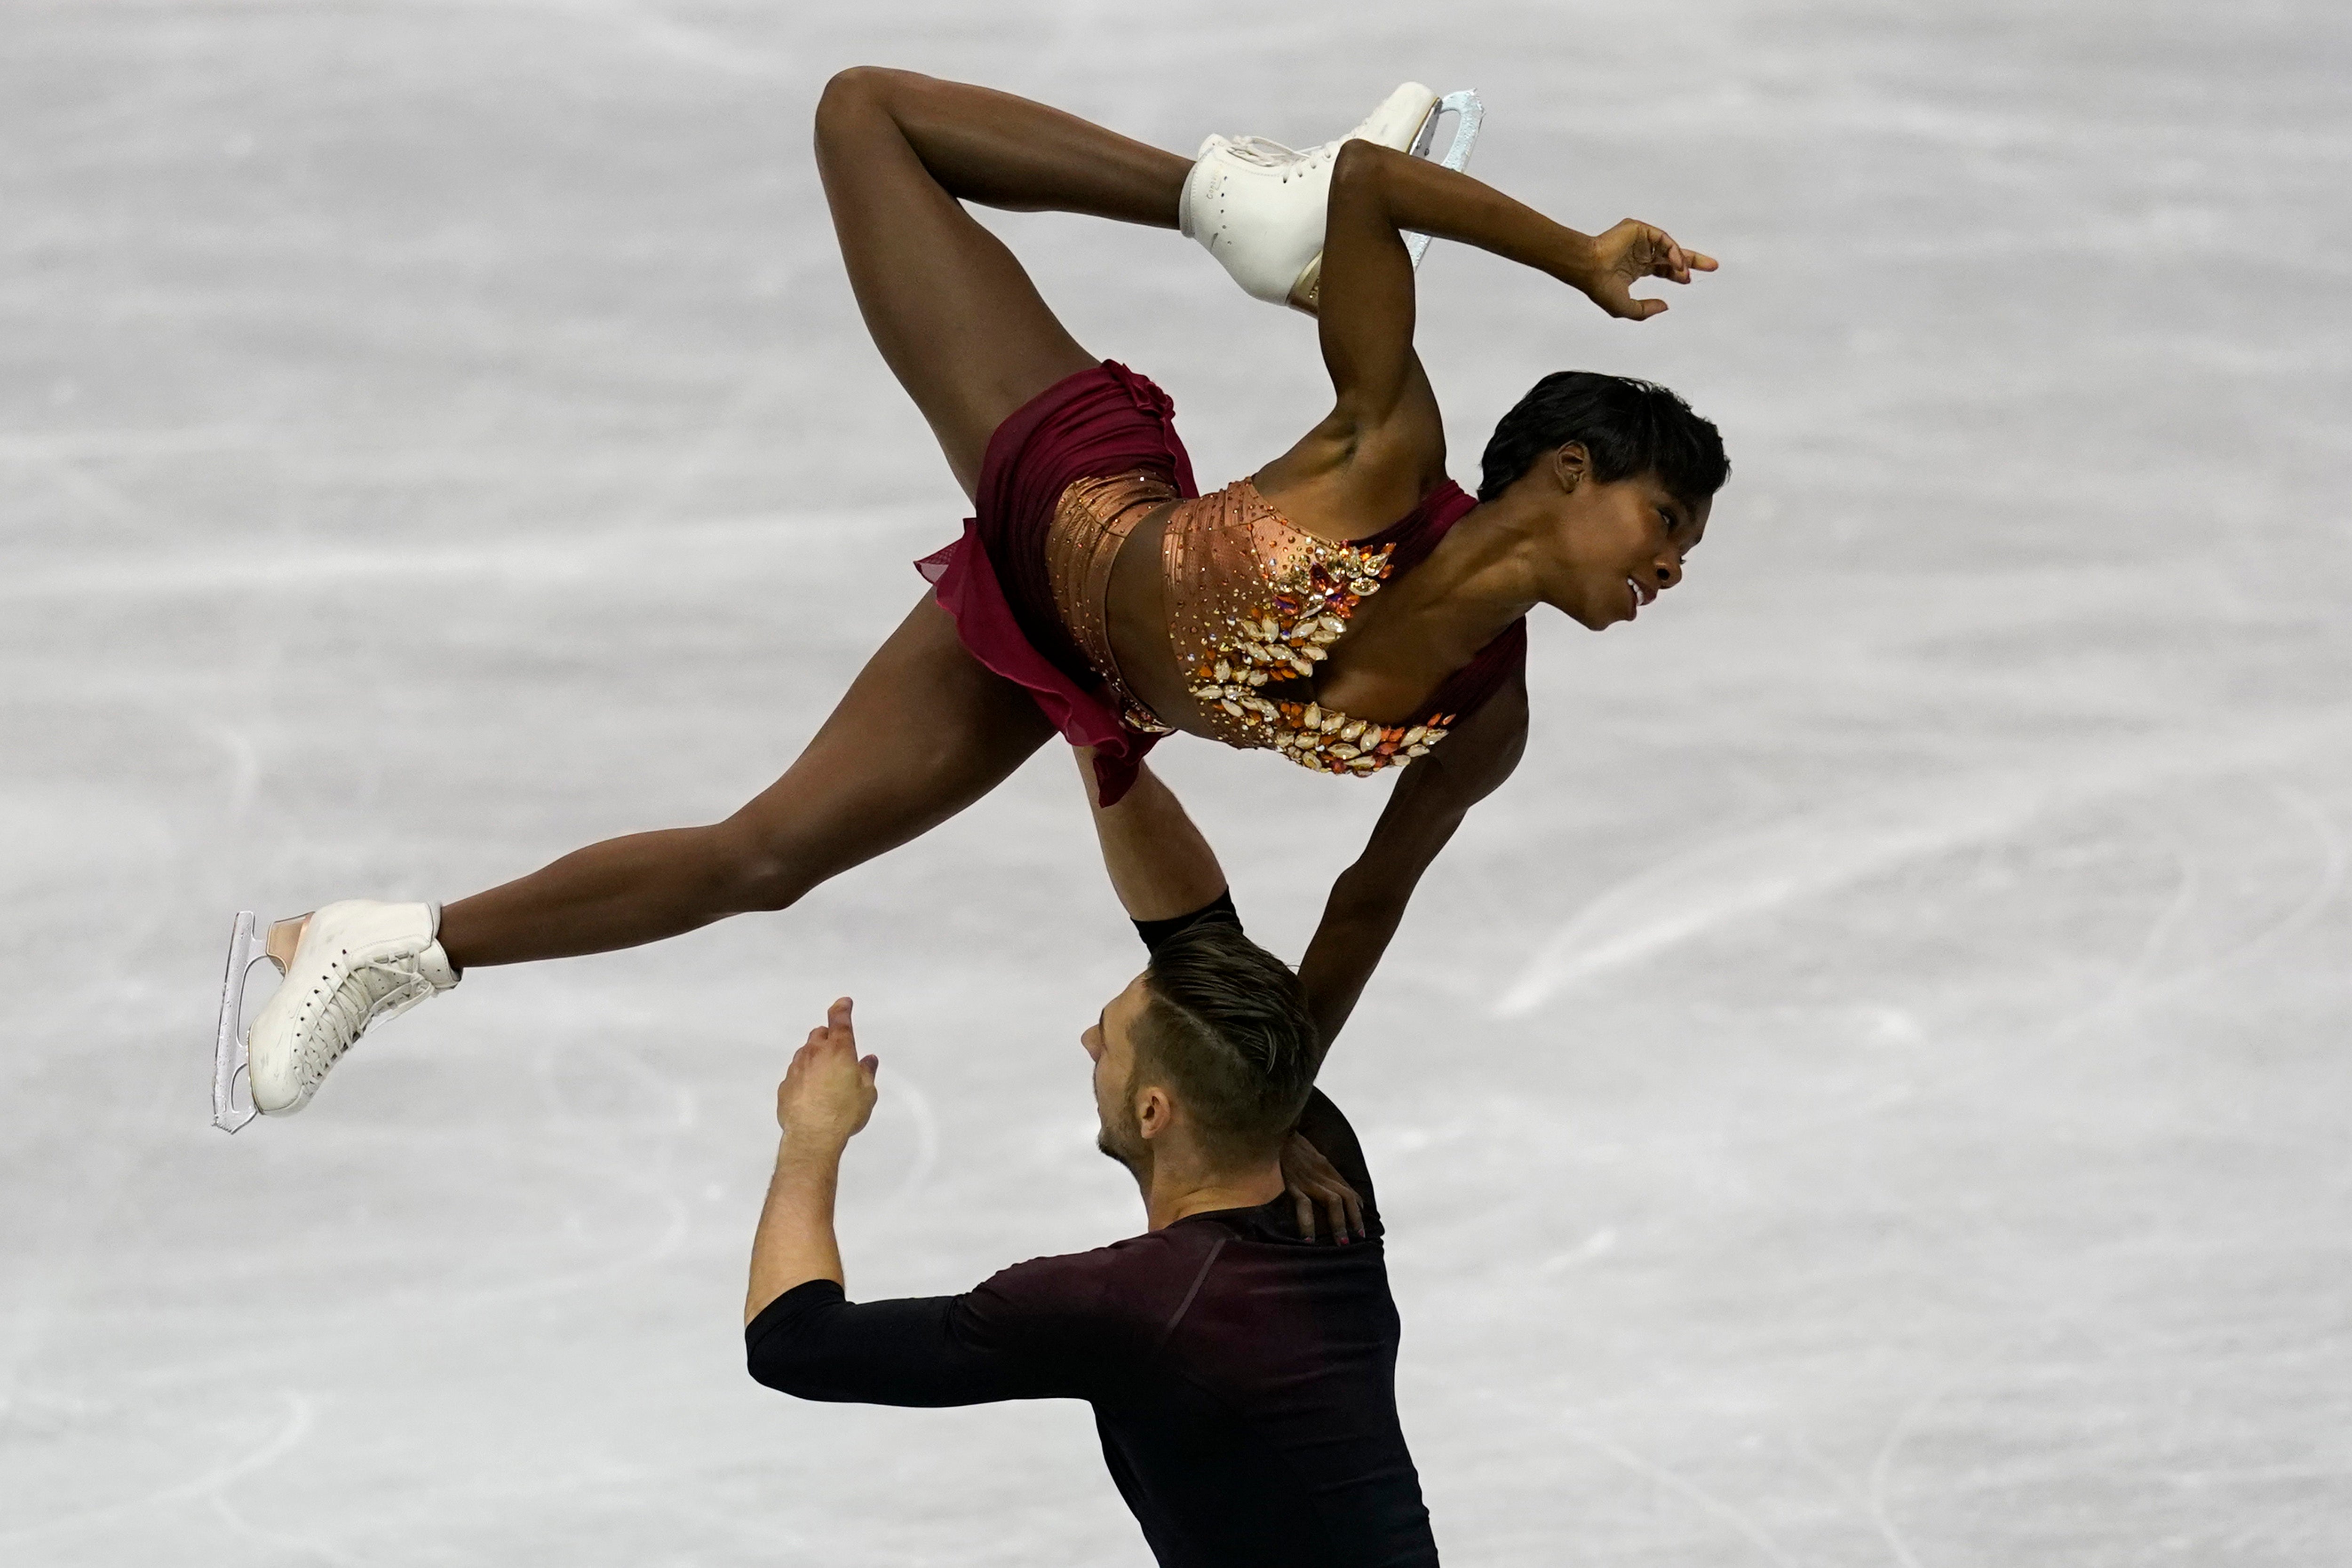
{"x":1253,"y":602}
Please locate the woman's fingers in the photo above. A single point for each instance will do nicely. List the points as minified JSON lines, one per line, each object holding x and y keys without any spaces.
{"x":1337,"y":1200}
{"x":1341,"y":1211}
{"x":1335,"y":1208}
{"x":1679,"y":264}
{"x":1620,"y":303}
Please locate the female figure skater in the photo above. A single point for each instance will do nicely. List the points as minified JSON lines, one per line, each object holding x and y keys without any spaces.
{"x":1347,"y":607}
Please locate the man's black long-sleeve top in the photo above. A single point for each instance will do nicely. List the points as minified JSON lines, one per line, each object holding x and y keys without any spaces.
{"x":1243,"y":1378}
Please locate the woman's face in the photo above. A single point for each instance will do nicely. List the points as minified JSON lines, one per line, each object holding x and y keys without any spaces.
{"x":1615,"y":547}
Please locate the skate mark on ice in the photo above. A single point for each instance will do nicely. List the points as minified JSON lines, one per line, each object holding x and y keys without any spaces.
{"x":290,"y":1432}
{"x":676,"y":1225}
{"x":2150,"y":979}
{"x":1690,"y":1491}
{"x":1907,"y":1422}
{"x":68,"y":446}
{"x":1818,"y":852}
{"x":2155,"y":974}
{"x":244,"y":765}
{"x":680,"y":41}
{"x":1752,"y":875}
{"x":108,"y":501}
{"x":920,"y":1112}
{"x":581,"y":1160}
{"x":1598,"y":1245}
{"x":306,"y":1545}
{"x":1854,"y":1493}
{"x":2330,"y":883}
{"x":625,"y":553}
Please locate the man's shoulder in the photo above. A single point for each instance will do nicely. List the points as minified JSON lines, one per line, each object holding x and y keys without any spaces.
{"x":1128,"y":1284}
{"x":1134,"y":1262}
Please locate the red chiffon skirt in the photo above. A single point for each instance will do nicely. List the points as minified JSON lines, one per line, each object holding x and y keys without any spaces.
{"x":1104,"y":420}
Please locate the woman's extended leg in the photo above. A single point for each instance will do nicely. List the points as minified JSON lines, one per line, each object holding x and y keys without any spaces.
{"x":956,"y":318}
{"x":926,"y":730}
{"x":923,"y":732}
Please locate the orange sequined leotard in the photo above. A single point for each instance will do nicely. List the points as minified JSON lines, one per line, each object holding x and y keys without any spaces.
{"x":1254,"y":603}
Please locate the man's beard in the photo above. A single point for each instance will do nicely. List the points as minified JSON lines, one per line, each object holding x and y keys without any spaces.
{"x":1125,"y":1143}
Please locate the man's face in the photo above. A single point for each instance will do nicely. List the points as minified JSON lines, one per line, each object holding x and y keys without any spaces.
{"x":1110,"y":1042}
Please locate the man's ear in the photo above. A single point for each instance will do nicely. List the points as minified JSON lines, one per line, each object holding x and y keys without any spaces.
{"x":1155,"y":1112}
{"x":1571,"y":465}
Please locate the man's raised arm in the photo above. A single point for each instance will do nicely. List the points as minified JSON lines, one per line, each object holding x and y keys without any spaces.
{"x":803,"y":1336}
{"x":1160,"y":865}
{"x":826,"y":1095}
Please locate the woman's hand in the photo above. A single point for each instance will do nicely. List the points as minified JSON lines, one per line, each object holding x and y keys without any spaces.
{"x":1311,"y":1180}
{"x":1627,"y":254}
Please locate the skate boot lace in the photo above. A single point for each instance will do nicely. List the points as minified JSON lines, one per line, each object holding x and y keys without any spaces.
{"x":365,"y":992}
{"x":1265,"y":154}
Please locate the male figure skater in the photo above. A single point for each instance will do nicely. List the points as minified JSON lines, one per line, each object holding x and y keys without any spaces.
{"x":1241,"y":1372}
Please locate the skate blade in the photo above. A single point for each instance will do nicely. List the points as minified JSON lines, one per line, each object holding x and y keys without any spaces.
{"x":1469,"y":113}
{"x":248,"y":944}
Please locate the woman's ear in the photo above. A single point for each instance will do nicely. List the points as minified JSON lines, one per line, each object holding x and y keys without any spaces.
{"x":1572,"y":465}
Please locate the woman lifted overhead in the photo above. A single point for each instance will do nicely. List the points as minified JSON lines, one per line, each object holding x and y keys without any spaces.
{"x":1347,"y":607}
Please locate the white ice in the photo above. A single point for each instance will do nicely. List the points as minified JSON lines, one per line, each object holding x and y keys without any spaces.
{"x":1872,"y":1092}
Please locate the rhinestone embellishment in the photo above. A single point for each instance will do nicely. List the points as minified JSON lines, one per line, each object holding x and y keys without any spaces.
{"x":1278,"y":641}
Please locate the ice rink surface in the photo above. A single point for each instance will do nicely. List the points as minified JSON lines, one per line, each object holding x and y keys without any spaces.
{"x":1873,"y":1090}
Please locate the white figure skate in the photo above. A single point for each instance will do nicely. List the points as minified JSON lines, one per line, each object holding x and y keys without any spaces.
{"x":1258,"y":206}
{"x":346,"y":965}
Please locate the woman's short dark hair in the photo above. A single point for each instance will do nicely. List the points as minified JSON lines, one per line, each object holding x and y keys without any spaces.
{"x":1227,"y":1030}
{"x":1630,"y":427}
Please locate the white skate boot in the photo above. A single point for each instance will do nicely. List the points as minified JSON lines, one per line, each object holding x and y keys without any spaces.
{"x":1258,"y":206}
{"x":346,"y":965}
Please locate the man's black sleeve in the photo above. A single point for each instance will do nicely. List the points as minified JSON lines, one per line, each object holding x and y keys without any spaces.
{"x":1012,"y":1338}
{"x":814,"y":1343}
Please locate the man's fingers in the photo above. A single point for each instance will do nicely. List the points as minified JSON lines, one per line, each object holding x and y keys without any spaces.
{"x":837,"y":1015}
{"x":872,"y":1065}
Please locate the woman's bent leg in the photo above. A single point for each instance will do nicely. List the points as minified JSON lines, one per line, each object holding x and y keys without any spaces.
{"x":957,"y":320}
{"x":923,"y":732}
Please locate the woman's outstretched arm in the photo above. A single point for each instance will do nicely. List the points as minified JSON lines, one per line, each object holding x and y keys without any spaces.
{"x":1384,"y":426}
{"x":1428,"y":804}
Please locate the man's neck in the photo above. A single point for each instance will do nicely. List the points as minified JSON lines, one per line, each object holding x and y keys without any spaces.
{"x":1174,"y":1194}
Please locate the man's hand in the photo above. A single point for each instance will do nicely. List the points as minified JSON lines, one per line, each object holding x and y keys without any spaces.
{"x":1627,"y":254}
{"x":827,"y":1093}
{"x":1311,"y":1179}
{"x":824,"y":1099}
